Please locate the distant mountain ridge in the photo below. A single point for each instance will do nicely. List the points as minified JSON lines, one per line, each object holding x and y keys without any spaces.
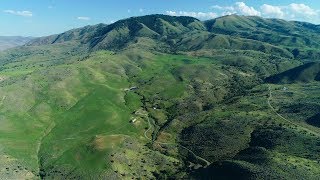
{"x":273,"y":36}
{"x":7,"y":42}
{"x":121,"y":33}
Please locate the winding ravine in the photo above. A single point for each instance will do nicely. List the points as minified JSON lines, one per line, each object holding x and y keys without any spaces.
{"x":174,"y":144}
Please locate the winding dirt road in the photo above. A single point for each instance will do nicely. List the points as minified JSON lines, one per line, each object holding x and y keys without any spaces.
{"x":285,"y":119}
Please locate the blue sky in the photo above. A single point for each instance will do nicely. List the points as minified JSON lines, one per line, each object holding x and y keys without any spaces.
{"x":45,"y":17}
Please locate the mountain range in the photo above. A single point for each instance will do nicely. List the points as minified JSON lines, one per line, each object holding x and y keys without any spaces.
{"x":274,"y":36}
{"x":7,"y":42}
{"x":164,"y":97}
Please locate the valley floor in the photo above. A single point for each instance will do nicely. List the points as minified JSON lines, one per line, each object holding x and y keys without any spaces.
{"x":186,"y":116}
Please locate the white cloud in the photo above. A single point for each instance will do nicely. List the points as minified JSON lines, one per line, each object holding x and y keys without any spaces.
{"x":293,"y":11}
{"x":19,"y":13}
{"x":299,"y":12}
{"x":141,"y":10}
{"x":199,"y":15}
{"x":84,"y":18}
{"x":242,"y":8}
{"x":229,"y":8}
{"x":303,"y":9}
{"x":302,"y":12}
{"x":272,"y":11}
{"x":237,"y":8}
{"x":217,"y":7}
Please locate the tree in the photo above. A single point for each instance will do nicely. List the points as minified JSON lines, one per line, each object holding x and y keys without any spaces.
{"x":295,"y":52}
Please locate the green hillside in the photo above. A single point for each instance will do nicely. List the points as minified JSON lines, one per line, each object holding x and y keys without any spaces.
{"x":162,"y":97}
{"x":171,"y":34}
{"x":304,"y":73}
{"x":274,"y":31}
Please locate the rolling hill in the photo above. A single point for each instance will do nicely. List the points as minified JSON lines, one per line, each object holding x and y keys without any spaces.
{"x":162,"y":97}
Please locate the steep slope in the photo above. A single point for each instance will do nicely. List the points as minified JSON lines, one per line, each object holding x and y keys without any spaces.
{"x":7,"y":42}
{"x":314,"y":120}
{"x":304,"y":73}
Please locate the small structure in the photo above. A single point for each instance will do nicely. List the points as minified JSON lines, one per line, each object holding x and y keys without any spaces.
{"x":133,"y":120}
{"x":133,"y":88}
